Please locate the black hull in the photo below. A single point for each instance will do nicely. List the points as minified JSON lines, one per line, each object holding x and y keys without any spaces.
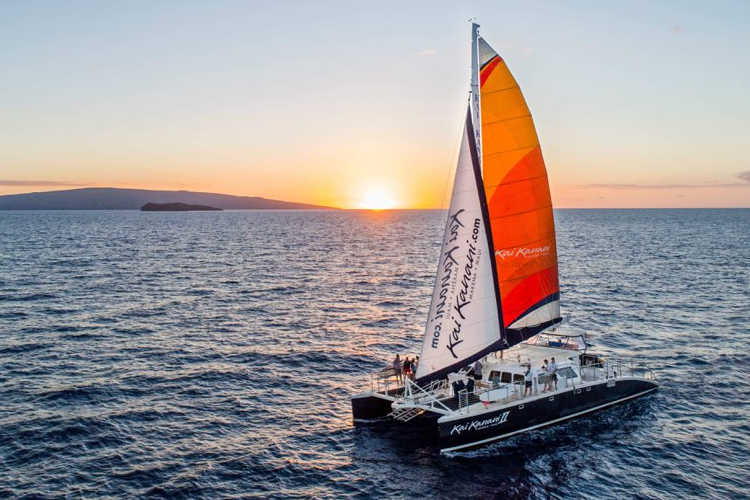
{"x":494,"y":425}
{"x":370,"y":406}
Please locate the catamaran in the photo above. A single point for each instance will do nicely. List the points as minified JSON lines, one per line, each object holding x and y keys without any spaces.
{"x":494,"y":361}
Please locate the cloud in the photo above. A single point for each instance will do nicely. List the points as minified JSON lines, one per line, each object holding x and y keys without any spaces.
{"x":745,"y":176}
{"x":37,"y":183}
{"x":671,"y":186}
{"x":427,"y":52}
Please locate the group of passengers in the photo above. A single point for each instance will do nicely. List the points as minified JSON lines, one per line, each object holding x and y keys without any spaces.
{"x":405,"y":368}
{"x":548,"y":373}
{"x":548,"y":376}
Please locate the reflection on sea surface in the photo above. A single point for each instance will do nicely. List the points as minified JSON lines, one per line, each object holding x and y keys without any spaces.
{"x":213,"y":354}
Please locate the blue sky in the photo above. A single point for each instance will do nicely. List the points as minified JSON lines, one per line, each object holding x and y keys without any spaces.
{"x":636,"y":103}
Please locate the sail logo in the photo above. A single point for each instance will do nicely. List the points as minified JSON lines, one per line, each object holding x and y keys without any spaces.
{"x":466,"y":288}
{"x":478,"y":425}
{"x":456,"y":282}
{"x":448,"y":277}
{"x":524,"y":252}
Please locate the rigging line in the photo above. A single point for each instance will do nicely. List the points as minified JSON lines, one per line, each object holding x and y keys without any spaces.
{"x":447,"y":184}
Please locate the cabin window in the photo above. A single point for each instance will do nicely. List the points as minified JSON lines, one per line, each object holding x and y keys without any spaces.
{"x":566,"y":372}
{"x":518,"y":378}
{"x":497,"y":377}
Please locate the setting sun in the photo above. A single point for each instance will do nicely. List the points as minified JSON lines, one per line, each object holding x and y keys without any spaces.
{"x":377,"y":198}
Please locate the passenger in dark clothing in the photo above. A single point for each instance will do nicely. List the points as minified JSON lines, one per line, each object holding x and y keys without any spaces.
{"x":458,"y":386}
{"x":407,"y":367}
{"x":477,"y":369}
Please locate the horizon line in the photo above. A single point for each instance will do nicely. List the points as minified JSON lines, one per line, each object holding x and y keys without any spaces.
{"x":334,"y":206}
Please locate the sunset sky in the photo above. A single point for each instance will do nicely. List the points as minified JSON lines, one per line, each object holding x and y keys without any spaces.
{"x":637,"y":104}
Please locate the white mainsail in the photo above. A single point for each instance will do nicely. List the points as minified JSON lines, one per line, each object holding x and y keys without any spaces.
{"x":463,"y":322}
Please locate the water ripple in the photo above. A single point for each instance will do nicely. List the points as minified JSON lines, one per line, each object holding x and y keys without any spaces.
{"x":206,"y":355}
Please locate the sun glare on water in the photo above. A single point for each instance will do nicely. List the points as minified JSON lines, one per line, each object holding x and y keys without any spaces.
{"x":377,"y":198}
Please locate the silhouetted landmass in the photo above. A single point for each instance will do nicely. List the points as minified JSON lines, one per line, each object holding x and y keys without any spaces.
{"x":134,"y":199}
{"x":176,"y":207}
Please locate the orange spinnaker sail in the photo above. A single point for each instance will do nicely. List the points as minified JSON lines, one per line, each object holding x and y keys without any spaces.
{"x":518,"y":199}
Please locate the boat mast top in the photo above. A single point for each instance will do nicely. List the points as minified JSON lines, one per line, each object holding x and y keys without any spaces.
{"x":476,"y":110}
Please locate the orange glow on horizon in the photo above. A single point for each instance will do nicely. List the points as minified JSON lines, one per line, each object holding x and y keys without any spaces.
{"x":420,"y":191}
{"x":377,"y":198}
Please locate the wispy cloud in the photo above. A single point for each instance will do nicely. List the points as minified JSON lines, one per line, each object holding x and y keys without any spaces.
{"x":427,"y":52}
{"x":745,"y":176}
{"x":667,"y":186}
{"x":7,"y":182}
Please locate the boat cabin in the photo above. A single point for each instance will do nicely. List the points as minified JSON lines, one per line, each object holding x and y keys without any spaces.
{"x":503,"y":374}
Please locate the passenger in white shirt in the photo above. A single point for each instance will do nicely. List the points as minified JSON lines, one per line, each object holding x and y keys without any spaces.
{"x":553,"y":374}
{"x":527,"y":377}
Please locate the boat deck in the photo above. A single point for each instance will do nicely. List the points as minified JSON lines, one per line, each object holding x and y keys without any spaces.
{"x":575,"y":370}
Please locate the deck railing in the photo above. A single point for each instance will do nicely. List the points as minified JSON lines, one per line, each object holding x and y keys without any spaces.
{"x":608,"y":369}
{"x":434,"y":396}
{"x":616,"y":368}
{"x":391,"y":383}
{"x":430,"y":397}
{"x":387,"y":381}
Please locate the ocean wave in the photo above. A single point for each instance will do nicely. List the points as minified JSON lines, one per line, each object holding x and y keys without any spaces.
{"x":224,"y":368}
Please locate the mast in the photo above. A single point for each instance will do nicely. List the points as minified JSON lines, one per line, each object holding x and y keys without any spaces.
{"x":464,"y":322}
{"x":475,"y":94}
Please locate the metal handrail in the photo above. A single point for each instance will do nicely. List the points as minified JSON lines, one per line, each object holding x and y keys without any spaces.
{"x":608,"y":369}
{"x":424,"y":394}
{"x":384,"y":381}
{"x":617,"y":367}
{"x":387,"y":381}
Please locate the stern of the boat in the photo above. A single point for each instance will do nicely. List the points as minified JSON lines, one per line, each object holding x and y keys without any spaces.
{"x":370,"y":406}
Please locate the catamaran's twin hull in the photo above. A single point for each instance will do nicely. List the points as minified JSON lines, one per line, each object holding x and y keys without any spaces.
{"x":371,"y":406}
{"x":462,"y":432}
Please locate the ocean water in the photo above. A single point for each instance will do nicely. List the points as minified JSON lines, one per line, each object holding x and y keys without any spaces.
{"x":212,"y":355}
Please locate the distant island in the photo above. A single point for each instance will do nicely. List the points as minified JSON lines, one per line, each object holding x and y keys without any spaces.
{"x":134,"y":199}
{"x":176,"y":207}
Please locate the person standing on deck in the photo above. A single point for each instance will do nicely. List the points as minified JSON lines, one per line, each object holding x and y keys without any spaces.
{"x":553,"y":374}
{"x":544,"y":376}
{"x":407,"y":367}
{"x":527,"y":377}
{"x":477,"y":370}
{"x":397,"y":368}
